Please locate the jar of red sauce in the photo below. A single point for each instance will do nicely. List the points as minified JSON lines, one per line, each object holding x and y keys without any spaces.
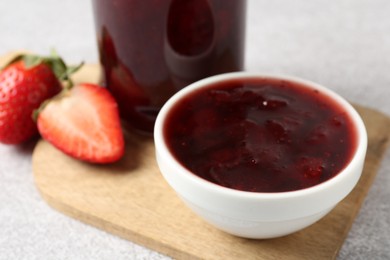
{"x":150,"y":49}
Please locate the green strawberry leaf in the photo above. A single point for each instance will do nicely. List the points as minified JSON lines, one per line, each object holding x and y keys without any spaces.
{"x":54,"y":61}
{"x":31,"y":61}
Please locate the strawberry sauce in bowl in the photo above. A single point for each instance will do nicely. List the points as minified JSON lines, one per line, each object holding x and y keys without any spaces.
{"x":260,"y":156}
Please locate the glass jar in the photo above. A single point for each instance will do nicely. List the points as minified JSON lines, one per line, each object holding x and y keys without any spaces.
{"x":150,"y":49}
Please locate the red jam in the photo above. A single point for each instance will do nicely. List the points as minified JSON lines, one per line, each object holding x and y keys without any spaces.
{"x":261,"y":135}
{"x":152,"y":48}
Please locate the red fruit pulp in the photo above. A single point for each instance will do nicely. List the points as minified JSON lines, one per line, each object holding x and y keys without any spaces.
{"x":261,"y":135}
{"x":152,"y":48}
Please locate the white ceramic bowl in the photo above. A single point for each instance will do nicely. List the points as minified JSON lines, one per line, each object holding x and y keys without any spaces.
{"x":256,"y":214}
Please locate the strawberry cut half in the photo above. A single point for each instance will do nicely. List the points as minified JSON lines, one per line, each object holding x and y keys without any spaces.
{"x":83,"y":122}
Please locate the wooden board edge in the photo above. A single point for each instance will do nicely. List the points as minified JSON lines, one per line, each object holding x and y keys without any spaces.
{"x":384,"y":146}
{"x":106,"y":226}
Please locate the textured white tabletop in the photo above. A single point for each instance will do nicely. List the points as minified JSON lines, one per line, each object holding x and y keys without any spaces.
{"x":342,"y":44}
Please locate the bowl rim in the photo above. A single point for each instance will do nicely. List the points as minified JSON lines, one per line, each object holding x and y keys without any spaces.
{"x":163,"y":150}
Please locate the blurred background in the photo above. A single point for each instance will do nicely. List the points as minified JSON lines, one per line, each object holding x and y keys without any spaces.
{"x":342,"y":44}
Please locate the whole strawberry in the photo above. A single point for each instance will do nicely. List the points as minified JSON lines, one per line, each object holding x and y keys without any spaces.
{"x":25,"y":83}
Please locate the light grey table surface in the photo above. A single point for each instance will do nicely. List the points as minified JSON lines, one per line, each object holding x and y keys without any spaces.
{"x":342,"y":44}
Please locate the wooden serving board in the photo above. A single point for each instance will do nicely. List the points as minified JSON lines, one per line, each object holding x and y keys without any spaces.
{"x":132,"y":200}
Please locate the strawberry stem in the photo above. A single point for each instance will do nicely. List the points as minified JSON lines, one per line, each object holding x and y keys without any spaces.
{"x":68,"y":72}
{"x":62,"y":71}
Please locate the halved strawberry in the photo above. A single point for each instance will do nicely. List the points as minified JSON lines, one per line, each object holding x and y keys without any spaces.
{"x":83,"y":122}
